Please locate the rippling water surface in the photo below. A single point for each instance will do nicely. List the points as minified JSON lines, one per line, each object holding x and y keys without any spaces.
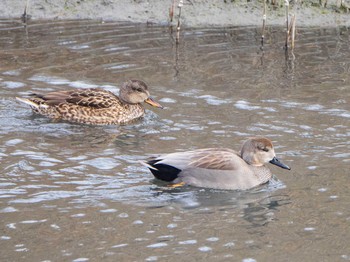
{"x":72,"y":192}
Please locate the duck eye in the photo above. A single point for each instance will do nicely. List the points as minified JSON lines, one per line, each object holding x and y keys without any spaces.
{"x":136,"y":89}
{"x":262,"y":147}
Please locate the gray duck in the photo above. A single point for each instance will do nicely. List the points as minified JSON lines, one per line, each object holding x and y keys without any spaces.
{"x":219,"y":168}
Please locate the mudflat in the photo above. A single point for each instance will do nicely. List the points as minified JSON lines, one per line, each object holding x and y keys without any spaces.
{"x":193,"y":13}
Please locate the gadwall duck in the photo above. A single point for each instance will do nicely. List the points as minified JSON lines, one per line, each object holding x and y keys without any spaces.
{"x":94,"y":106}
{"x":219,"y":168}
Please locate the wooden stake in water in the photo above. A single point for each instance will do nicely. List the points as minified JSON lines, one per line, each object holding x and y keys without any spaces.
{"x":171,"y":11}
{"x":263,"y":27}
{"x":294,"y":19}
{"x":293,"y":30}
{"x":24,"y":16}
{"x":181,"y":3}
{"x":286,"y":2}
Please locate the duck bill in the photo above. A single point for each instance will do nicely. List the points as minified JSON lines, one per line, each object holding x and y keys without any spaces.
{"x":276,"y":162}
{"x":153,"y":103}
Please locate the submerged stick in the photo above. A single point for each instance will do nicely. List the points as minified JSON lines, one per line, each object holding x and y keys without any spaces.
{"x":263,"y":27}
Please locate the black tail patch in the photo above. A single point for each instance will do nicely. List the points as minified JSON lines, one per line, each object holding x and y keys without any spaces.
{"x":164,"y":172}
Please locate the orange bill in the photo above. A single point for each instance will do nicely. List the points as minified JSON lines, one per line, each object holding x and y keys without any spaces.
{"x":153,"y":103}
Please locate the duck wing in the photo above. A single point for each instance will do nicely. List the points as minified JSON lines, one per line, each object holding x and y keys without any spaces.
{"x":168,"y":167}
{"x":209,"y":158}
{"x":214,"y":158}
{"x":211,"y":168}
{"x":93,"y":97}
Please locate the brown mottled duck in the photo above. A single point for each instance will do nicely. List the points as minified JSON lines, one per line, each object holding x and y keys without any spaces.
{"x":94,"y":106}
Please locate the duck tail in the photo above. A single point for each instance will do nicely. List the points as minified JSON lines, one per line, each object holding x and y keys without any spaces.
{"x":162,"y":171}
{"x":31,"y":103}
{"x":28,"y":102}
{"x":147,"y":165}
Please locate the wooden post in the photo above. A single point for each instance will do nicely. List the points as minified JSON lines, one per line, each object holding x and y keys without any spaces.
{"x":293,"y":30}
{"x":286,"y":2}
{"x":180,"y":5}
{"x":263,"y":27}
{"x":24,"y":16}
{"x":171,"y":11}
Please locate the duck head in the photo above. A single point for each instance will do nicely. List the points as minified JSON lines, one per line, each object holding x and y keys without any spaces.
{"x":135,"y":92}
{"x":257,"y":151}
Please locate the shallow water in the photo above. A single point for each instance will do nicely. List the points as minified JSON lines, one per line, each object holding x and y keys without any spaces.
{"x":72,"y":192}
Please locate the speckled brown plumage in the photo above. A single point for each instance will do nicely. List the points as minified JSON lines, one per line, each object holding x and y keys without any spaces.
{"x":94,"y":106}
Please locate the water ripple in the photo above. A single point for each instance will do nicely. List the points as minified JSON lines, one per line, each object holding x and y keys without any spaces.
{"x":79,"y":186}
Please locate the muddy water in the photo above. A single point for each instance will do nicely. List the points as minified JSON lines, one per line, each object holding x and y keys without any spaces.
{"x":72,"y":192}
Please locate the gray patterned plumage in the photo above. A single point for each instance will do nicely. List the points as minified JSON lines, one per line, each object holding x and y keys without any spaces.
{"x":219,"y":168}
